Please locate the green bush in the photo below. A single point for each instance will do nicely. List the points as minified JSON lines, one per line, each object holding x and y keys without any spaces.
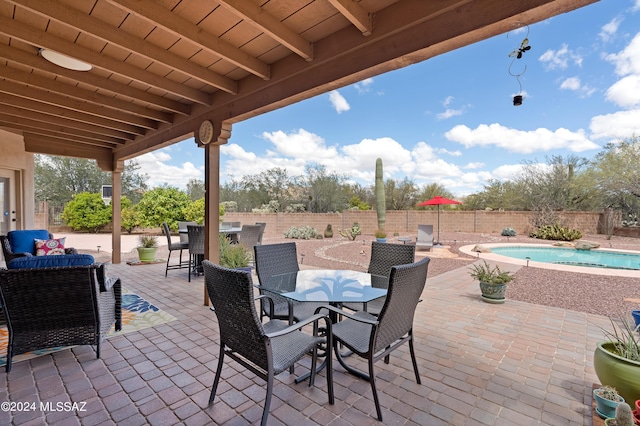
{"x":508,"y":232}
{"x":303,"y":232}
{"x":164,"y":204}
{"x":556,"y":232}
{"x":129,"y":219}
{"x":233,"y":255}
{"x":86,"y":212}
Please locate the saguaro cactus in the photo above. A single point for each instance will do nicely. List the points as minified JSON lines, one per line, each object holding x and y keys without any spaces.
{"x":381,"y":205}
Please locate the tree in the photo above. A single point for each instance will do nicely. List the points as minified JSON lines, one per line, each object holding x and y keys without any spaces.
{"x":401,"y":195}
{"x":615,"y":172}
{"x":87,"y":212}
{"x":325,"y":191}
{"x":58,"y":179}
{"x":195,"y":189}
{"x":163,"y":204}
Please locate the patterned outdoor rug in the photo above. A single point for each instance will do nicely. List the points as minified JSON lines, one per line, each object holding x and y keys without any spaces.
{"x":137,"y":314}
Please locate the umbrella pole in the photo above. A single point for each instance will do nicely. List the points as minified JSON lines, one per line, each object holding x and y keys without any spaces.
{"x":438,"y":243}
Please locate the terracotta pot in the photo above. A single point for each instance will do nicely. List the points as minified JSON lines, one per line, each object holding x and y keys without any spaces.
{"x":616,"y":371}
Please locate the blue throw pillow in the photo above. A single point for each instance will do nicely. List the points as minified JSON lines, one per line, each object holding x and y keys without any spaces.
{"x":24,"y":240}
{"x":51,"y":261}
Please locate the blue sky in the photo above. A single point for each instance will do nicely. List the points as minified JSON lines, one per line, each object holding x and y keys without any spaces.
{"x":451,"y":119}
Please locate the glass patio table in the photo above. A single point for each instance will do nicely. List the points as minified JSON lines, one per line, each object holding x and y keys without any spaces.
{"x":333,"y":287}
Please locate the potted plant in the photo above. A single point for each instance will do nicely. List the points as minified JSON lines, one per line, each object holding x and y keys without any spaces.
{"x":381,"y":236}
{"x":234,"y":256}
{"x":147,"y":247}
{"x":493,"y":281}
{"x":616,"y":360}
{"x":623,"y":416}
{"x":607,"y":399}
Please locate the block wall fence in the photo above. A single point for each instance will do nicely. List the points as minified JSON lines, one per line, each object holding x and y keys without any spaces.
{"x":406,"y":221}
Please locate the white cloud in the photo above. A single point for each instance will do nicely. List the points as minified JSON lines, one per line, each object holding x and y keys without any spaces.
{"x":338,"y":101}
{"x":625,"y":92}
{"x":364,"y":85}
{"x":472,"y":166}
{"x":456,"y":153}
{"x":507,"y":171}
{"x":574,"y":84}
{"x":618,"y":125}
{"x":627,"y":61}
{"x":520,"y":141}
{"x":609,"y":29}
{"x":559,"y":59}
{"x":571,"y":83}
{"x":636,"y":6}
{"x":154,"y":164}
{"x":449,"y":113}
{"x":300,"y":144}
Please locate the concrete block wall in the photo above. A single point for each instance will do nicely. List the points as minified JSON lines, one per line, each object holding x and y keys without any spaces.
{"x":407,"y":221}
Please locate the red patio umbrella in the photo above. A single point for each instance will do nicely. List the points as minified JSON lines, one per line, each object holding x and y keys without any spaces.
{"x":437,"y":201}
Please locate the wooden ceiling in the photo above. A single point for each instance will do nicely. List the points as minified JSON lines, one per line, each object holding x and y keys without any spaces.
{"x":161,"y":67}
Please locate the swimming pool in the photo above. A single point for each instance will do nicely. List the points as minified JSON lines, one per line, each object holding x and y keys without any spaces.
{"x":572,"y":257}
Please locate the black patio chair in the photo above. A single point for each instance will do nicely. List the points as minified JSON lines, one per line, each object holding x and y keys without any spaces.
{"x":275,"y":259}
{"x":196,"y":248}
{"x":264,"y":349}
{"x":375,"y":337}
{"x":174,"y":247}
{"x":383,"y":257}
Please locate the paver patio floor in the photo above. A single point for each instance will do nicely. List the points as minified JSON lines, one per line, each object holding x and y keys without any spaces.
{"x":481,"y":364}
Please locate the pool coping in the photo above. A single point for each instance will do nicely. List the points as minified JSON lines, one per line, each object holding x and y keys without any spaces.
{"x":468,"y":250}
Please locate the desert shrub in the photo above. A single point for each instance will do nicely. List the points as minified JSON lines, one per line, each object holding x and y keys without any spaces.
{"x":508,"y":232}
{"x":556,"y":232}
{"x":163,"y":204}
{"x":352,"y":232}
{"x":302,"y":232}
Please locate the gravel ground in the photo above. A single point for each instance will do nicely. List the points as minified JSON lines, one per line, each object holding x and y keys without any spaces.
{"x":595,"y":294}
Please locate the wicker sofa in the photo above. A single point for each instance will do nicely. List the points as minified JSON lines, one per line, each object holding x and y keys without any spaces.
{"x":20,"y":243}
{"x":62,"y":306}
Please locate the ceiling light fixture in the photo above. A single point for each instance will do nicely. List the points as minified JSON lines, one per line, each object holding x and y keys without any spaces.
{"x":64,"y":61}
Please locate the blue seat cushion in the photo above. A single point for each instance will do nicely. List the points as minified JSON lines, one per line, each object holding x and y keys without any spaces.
{"x":51,"y":261}
{"x":24,"y":240}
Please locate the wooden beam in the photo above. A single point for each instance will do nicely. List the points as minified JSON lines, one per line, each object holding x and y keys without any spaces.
{"x":255,"y":15}
{"x":180,"y":27}
{"x":60,"y":121}
{"x":36,"y":61}
{"x":74,"y":105}
{"x":44,"y":129}
{"x":355,"y":14}
{"x":77,"y":20}
{"x":43,"y":108}
{"x":40,"y":145}
{"x":50,"y":85}
{"x":31,"y":35}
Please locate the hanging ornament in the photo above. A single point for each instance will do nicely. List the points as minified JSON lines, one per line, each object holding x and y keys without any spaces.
{"x":517,"y":54}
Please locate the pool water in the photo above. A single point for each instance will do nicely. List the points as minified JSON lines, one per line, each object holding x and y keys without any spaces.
{"x":571,"y":256}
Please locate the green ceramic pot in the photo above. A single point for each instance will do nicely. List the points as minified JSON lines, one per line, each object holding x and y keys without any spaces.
{"x":618,"y":372}
{"x":147,"y":254}
{"x":493,"y":293}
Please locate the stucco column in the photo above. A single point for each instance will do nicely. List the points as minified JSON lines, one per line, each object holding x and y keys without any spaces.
{"x":116,"y":195}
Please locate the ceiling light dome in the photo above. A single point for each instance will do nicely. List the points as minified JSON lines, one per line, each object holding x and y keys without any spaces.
{"x":64,"y":61}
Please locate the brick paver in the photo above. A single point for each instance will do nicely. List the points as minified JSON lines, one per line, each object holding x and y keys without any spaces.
{"x":480,"y":364}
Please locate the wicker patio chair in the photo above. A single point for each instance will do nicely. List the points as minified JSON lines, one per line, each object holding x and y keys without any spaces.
{"x":375,"y":337}
{"x":264,"y":349}
{"x":263,"y":225}
{"x":9,"y":254}
{"x":53,"y":307}
{"x":383,"y":257}
{"x":196,"y":248}
{"x":249,"y":236}
{"x":182,"y":230}
{"x":174,"y":247}
{"x":274,"y":259}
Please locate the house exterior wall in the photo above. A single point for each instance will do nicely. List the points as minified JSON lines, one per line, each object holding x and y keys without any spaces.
{"x":20,"y":164}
